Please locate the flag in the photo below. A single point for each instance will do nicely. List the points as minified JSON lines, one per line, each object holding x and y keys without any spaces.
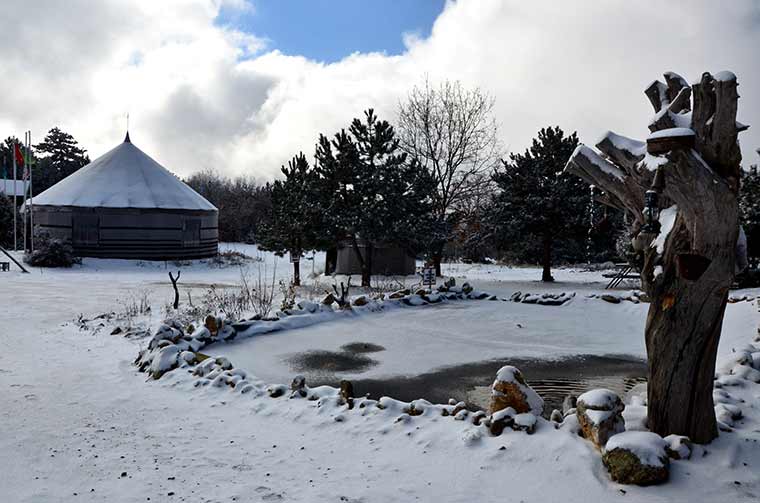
{"x":20,"y":161}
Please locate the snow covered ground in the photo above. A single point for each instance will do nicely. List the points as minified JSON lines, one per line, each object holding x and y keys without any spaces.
{"x":79,"y":423}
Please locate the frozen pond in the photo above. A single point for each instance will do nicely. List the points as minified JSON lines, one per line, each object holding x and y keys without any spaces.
{"x":418,"y":340}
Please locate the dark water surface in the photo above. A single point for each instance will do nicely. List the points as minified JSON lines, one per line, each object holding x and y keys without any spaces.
{"x":552,"y":379}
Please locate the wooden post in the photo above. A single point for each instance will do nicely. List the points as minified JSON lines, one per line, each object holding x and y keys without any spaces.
{"x":176,"y":290}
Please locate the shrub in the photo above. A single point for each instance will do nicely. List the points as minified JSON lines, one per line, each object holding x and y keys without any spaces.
{"x":51,"y":252}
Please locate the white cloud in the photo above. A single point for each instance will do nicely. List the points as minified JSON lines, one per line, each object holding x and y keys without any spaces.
{"x":202,"y":95}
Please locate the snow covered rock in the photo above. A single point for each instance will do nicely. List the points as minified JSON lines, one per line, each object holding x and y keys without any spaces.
{"x":600,"y":415}
{"x":298,"y":387}
{"x":612,"y":299}
{"x":163,"y":361}
{"x":308,"y":306}
{"x":637,"y":457}
{"x":500,"y":420}
{"x":569,"y":404}
{"x":679,"y":447}
{"x":525,"y":422}
{"x":510,"y":390}
{"x":212,"y":324}
{"x":361,"y":300}
{"x":400,"y":294}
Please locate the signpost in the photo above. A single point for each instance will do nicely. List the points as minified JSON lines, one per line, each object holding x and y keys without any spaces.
{"x":428,"y":276}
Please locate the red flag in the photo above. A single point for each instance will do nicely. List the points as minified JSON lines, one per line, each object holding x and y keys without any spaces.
{"x":19,"y":155}
{"x":20,"y":161}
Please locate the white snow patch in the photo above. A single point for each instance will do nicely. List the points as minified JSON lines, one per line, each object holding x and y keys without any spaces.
{"x":600,"y":398}
{"x":635,"y":147}
{"x":667,"y":221}
{"x":724,"y":76}
{"x":672,"y":132}
{"x":648,"y":447}
{"x":598,"y":161}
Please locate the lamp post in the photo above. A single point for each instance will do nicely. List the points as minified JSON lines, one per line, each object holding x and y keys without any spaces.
{"x":652,"y":204}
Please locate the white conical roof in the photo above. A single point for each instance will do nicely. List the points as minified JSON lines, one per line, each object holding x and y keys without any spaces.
{"x":124,"y":177}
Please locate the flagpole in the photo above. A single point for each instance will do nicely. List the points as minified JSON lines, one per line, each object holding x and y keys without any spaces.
{"x":15,"y":232}
{"x":31,"y":192}
{"x":23,"y":202}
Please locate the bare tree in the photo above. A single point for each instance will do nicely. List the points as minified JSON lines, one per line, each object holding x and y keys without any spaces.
{"x":452,"y":132}
{"x":683,"y":198}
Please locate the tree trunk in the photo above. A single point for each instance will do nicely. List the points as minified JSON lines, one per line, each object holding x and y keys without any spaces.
{"x":297,"y":273}
{"x":331,"y":260}
{"x":546,"y":260}
{"x":688,"y":302}
{"x":364,"y":261}
{"x":689,"y":264}
{"x":437,"y":258}
{"x":367,"y":266}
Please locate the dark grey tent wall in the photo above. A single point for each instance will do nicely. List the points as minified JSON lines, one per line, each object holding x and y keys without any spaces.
{"x":132,"y":233}
{"x":387,"y":260}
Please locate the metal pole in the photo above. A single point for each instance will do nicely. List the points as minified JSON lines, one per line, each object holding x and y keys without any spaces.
{"x":31,"y":193}
{"x":15,"y":233}
{"x":23,"y":201}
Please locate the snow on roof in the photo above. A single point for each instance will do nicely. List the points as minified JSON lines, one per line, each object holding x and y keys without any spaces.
{"x":9,"y":188}
{"x":124,"y":177}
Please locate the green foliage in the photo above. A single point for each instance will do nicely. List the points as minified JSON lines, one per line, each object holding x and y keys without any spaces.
{"x":59,"y":155}
{"x":244,"y":206}
{"x":51,"y":252}
{"x":369,"y":188}
{"x":295,"y":215}
{"x":6,"y":221}
{"x":538,"y":207}
{"x":749,"y":209}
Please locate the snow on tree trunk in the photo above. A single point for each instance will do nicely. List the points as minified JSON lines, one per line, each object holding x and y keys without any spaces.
{"x":689,"y":265}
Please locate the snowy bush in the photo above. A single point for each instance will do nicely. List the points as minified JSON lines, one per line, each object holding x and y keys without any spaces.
{"x":51,"y":252}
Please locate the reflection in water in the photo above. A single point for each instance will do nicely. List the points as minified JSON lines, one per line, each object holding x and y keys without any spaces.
{"x":554,"y":390}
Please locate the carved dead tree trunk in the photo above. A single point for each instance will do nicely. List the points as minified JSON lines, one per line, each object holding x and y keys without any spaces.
{"x":689,"y":264}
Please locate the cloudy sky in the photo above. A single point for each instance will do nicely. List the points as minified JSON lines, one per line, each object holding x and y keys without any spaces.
{"x":241,"y":85}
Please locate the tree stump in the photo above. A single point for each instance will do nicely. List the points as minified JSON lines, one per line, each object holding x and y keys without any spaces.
{"x":689,"y":265}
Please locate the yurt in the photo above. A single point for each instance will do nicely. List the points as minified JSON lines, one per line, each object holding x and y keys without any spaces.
{"x":126,"y":205}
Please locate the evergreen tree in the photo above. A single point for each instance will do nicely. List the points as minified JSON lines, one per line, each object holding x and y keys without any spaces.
{"x":295,"y":214}
{"x":749,"y":209}
{"x":371,"y":192}
{"x":6,"y":221}
{"x":60,"y":156}
{"x":538,"y":205}
{"x":244,"y":206}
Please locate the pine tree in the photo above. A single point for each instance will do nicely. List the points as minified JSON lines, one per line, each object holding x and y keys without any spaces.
{"x":296,"y":216}
{"x":537,"y":204}
{"x":749,"y":209}
{"x":6,"y":221}
{"x":60,"y":156}
{"x":371,"y":192}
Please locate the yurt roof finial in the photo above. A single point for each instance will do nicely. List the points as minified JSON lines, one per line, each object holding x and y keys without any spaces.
{"x":126,"y":138}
